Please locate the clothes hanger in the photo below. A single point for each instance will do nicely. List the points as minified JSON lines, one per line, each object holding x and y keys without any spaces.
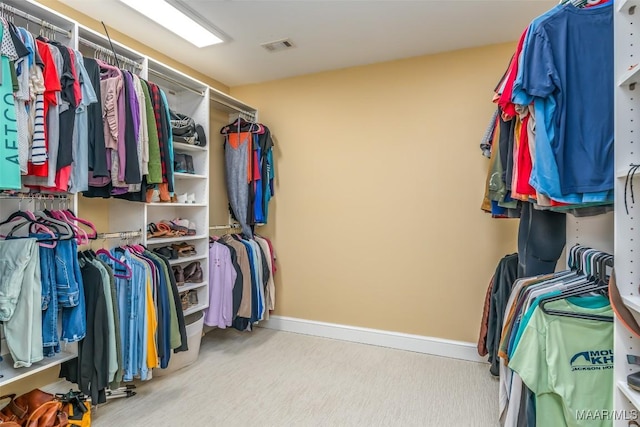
{"x":107,"y":254}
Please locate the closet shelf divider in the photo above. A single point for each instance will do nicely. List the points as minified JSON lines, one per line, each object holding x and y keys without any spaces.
{"x":10,"y":374}
{"x":194,"y":309}
{"x":190,"y":286}
{"x":633,"y":396}
{"x":176,"y":239}
{"x":633,"y":303}
{"x":182,"y":175}
{"x":631,"y":76}
{"x":180,"y":146}
{"x":627,"y":5}
{"x":187,"y":259}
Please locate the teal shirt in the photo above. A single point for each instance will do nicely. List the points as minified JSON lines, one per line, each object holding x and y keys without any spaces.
{"x":9,"y":162}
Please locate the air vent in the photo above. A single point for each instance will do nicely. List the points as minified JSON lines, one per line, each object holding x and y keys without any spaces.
{"x":278,"y":45}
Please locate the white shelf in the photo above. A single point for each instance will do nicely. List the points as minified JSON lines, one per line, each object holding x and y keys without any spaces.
{"x":179,"y":205}
{"x":182,"y":175}
{"x":156,"y":241}
{"x":632,"y":303}
{"x":180,"y":146}
{"x":632,"y":395}
{"x":11,"y":374}
{"x":625,"y":5}
{"x":630,"y":77}
{"x":195,"y":308}
{"x":187,"y":259}
{"x":189,"y":286}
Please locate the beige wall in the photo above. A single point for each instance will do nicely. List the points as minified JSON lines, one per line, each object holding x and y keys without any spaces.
{"x":380,"y":178}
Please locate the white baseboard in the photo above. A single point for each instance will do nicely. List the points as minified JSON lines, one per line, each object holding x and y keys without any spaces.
{"x":417,"y":343}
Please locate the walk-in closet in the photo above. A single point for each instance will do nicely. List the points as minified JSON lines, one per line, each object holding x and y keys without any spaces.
{"x":319,"y":213}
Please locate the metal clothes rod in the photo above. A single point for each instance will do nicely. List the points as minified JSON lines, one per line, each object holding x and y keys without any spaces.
{"x":233,"y":107}
{"x":34,"y":19}
{"x":35,"y":196}
{"x":179,"y":83}
{"x":120,"y":235}
{"x":225,"y":227}
{"x":103,"y":49}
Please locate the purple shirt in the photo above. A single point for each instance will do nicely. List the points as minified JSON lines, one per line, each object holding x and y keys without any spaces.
{"x":222,"y":277}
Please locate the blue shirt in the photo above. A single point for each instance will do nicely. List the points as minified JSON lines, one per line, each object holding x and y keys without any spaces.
{"x":569,"y":58}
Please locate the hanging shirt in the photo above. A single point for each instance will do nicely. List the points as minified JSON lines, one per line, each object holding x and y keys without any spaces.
{"x":9,"y":157}
{"x":559,"y":59}
{"x":568,"y":362}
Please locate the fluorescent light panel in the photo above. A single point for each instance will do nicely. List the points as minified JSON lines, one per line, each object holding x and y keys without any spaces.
{"x":175,"y":21}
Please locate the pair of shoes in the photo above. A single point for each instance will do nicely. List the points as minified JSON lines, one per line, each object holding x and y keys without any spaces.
{"x":193,"y":273}
{"x":183,"y":163}
{"x":178,"y":274}
{"x":185,"y":225}
{"x":189,"y":299}
{"x":168,"y":252}
{"x":185,"y":198}
{"x":184,"y":249}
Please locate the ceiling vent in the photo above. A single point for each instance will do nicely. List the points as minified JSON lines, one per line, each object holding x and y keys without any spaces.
{"x":278,"y":45}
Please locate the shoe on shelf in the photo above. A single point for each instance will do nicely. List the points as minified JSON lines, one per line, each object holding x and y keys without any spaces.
{"x":191,"y":230}
{"x":189,"y":164}
{"x":167,"y":252}
{"x":178,"y":274}
{"x":180,"y":163}
{"x":193,"y":297}
{"x":191,"y":197}
{"x":184,"y":299}
{"x":633,"y":381}
{"x":165,"y":197}
{"x":182,"y":198}
{"x":184,"y":249}
{"x":193,"y":273}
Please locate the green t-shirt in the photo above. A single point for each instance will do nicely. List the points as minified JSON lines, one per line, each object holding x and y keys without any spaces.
{"x":568,"y":363}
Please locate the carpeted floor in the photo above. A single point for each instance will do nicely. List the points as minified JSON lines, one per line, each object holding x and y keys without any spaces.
{"x":271,"y":378}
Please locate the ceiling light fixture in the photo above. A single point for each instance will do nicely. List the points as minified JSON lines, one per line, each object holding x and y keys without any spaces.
{"x":175,"y":21}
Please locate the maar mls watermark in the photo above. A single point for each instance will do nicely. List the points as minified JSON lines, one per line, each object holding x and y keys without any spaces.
{"x":606,"y":415}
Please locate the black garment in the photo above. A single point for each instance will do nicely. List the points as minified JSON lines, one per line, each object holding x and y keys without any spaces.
{"x":505,"y":275}
{"x":97,"y":149}
{"x":132,"y":173}
{"x":21,"y":49}
{"x":506,"y":142}
{"x":541,"y":238}
{"x":176,"y":298}
{"x":67,"y":108}
{"x":135,"y":196}
{"x":90,"y":370}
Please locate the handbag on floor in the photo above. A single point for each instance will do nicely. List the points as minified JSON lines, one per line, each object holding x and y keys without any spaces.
{"x":33,"y":409}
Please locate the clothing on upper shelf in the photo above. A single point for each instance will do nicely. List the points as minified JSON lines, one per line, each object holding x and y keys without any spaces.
{"x":249,"y":171}
{"x":549,"y":141}
{"x":76,"y":124}
{"x":241,"y":283}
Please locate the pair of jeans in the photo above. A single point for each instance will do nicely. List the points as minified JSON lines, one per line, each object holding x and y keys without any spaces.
{"x":50,"y":341}
{"x":20,"y":300}
{"x":69,"y":287}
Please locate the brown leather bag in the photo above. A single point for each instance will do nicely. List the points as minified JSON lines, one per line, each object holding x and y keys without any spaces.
{"x":34,"y":409}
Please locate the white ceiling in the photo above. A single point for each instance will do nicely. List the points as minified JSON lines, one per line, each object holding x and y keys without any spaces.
{"x":328,"y":34}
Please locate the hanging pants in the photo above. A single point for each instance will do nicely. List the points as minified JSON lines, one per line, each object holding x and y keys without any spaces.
{"x":20,"y":300}
{"x":541,"y":239}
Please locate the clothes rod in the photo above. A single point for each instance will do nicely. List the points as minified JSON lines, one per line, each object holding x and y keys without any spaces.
{"x":179,"y":83}
{"x":225,"y":227}
{"x":103,"y":49}
{"x":120,"y":235}
{"x":12,"y":10}
{"x":35,"y":196}
{"x":234,"y":108}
